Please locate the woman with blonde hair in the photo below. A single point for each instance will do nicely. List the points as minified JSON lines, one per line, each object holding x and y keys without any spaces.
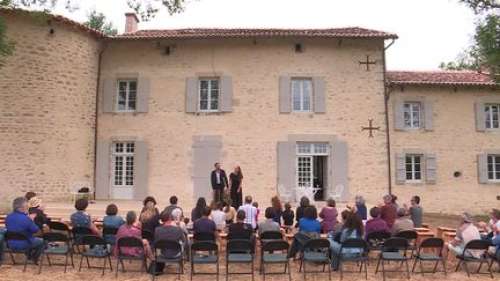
{"x":150,"y":217}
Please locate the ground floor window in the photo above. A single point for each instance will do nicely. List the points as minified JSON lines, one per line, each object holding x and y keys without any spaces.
{"x":493,"y":167}
{"x":123,"y":164}
{"x":413,"y":164}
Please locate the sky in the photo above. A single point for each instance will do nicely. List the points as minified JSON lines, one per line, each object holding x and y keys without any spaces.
{"x":430,"y":31}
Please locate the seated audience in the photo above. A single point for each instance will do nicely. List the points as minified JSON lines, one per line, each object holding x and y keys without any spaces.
{"x":496,"y":242}
{"x":173,"y":205}
{"x":250,"y":212}
{"x":179,"y":220}
{"x":240,"y":229}
{"x":360,"y":206}
{"x":36,"y":208}
{"x":269,"y":224}
{"x":309,"y":228}
{"x":218,"y":216}
{"x":329,"y":216}
{"x":277,"y":209}
{"x":493,"y":223}
{"x":257,"y":214}
{"x":415,"y":211}
{"x":394,"y":201}
{"x":299,"y":212}
{"x":149,"y":203}
{"x":388,"y":210}
{"x":376,"y":223}
{"x":80,"y":218}
{"x":204,"y":224}
{"x":197,"y":211}
{"x":403,"y":222}
{"x":112,"y":220}
{"x":18,"y":221}
{"x":171,"y":232}
{"x":132,"y":228}
{"x":229,"y":211}
{"x":466,"y":232}
{"x":352,"y":228}
{"x":149,"y":218}
{"x":288,"y":217}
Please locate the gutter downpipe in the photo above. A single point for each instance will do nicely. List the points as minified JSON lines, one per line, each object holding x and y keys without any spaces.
{"x":98,"y":82}
{"x":387,"y":91}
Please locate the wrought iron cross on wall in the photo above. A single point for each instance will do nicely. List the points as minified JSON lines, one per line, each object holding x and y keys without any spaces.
{"x":370,"y":128}
{"x":368,"y":62}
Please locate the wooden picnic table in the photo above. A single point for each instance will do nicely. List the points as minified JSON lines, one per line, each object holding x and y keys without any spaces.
{"x":442,"y":229}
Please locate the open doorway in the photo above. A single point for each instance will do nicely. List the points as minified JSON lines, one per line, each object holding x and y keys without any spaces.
{"x":312,"y":167}
{"x":320,"y":177}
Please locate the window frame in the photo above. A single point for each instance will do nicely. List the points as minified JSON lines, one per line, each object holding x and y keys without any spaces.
{"x":488,"y":116}
{"x":124,"y":154}
{"x":413,"y":164}
{"x":420,"y":115}
{"x":127,"y":94}
{"x":301,"y":94}
{"x":493,"y":156}
{"x":209,"y":96}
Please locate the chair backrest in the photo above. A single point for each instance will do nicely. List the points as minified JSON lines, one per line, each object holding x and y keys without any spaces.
{"x":58,"y":226}
{"x":432,"y":242}
{"x":377,"y":238}
{"x":148,"y":235}
{"x":271,"y":235}
{"x":80,"y":231}
{"x":204,"y":236}
{"x":15,"y":236}
{"x":477,"y":244}
{"x":239,"y":246}
{"x":109,"y":231}
{"x":168,"y":245}
{"x":275,"y":245}
{"x":204,"y":246}
{"x":55,"y":237}
{"x":319,"y":244}
{"x":129,"y":242}
{"x":92,"y":240}
{"x":243,"y":235}
{"x":409,"y":235}
{"x":355,"y":243}
{"x":395,"y":243}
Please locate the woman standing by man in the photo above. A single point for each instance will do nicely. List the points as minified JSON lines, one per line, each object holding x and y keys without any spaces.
{"x":236,"y":192}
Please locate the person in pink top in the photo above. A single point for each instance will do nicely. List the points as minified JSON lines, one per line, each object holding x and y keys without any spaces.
{"x":132,"y":228}
{"x":328,"y":215}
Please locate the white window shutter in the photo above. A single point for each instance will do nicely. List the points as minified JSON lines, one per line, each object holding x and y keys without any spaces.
{"x":482,"y":168}
{"x":109,"y":93}
{"x":319,"y":95}
{"x":143,"y":93}
{"x":285,"y":95}
{"x":430,"y":168}
{"x":102,"y":169}
{"x":399,"y":122}
{"x":140,"y":170}
{"x":400,"y":168}
{"x":191,"y":94}
{"x":226,"y":94}
{"x":428,"y":112}
{"x":480,"y":117}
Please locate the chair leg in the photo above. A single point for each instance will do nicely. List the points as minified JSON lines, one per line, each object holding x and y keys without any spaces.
{"x":435,"y":267}
{"x":329,"y":271}
{"x":81,"y":262}
{"x":414,"y":265}
{"x":407,"y":269}
{"x":479,"y":267}
{"x":376,"y":268}
{"x":289,"y":271}
{"x":383,"y":270}
{"x":25,"y":262}
{"x":421,"y":267}
{"x":366,"y":270}
{"x":341,"y":270}
{"x":117,"y":267}
{"x":110,"y":266}
{"x":227,"y":270}
{"x":40,"y":265}
{"x":66,"y":262}
{"x":444,"y":266}
{"x":491,"y":272}
{"x":253,"y":273}
{"x":466,"y":268}
{"x":458,"y":265}
{"x":304,"y":270}
{"x":48,"y":260}
{"x":88,"y":263}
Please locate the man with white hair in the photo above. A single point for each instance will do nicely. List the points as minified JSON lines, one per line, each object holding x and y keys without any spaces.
{"x":466,"y":232}
{"x":19,"y":222}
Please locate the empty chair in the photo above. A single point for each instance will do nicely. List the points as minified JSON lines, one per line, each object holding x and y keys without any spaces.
{"x":430,"y":250}
{"x":56,"y":244}
{"x":275,"y":252}
{"x":94,"y":247}
{"x":204,"y":252}
{"x":394,"y":249}
{"x":14,"y":236}
{"x":376,"y":240}
{"x":360,"y":259}
{"x":123,"y":247}
{"x":239,"y":251}
{"x":316,"y":251}
{"x":411,"y":236}
{"x":475,"y":251}
{"x":163,"y":250}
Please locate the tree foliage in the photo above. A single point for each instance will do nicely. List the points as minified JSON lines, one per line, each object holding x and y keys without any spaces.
{"x":98,"y":21}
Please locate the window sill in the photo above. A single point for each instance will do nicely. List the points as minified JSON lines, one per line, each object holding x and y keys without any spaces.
{"x":205,"y":113}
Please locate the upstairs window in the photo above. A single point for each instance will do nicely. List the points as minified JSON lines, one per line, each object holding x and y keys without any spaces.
{"x":413,"y":165}
{"x":209,"y":94}
{"x":412,"y":112}
{"x":301,"y":94}
{"x":492,"y":116}
{"x":127,"y":95}
{"x":493,"y":167}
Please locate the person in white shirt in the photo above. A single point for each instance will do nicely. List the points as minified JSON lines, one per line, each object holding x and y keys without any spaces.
{"x":218,"y":216}
{"x":250,"y":212}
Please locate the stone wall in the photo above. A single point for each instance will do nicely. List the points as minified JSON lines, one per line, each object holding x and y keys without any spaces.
{"x":47,"y":108}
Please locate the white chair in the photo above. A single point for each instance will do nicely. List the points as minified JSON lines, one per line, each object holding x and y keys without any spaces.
{"x":77,"y":186}
{"x":307,"y":191}
{"x":285,"y":194}
{"x":337,"y":193}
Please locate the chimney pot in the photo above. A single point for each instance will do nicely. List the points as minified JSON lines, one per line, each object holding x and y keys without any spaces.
{"x":131,"y":22}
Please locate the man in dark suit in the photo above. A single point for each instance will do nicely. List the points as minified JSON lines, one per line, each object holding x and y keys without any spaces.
{"x":219,"y":182}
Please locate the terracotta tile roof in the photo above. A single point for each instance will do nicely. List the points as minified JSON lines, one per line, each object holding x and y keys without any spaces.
{"x":440,"y":78}
{"x":57,"y":18}
{"x":218,"y":33}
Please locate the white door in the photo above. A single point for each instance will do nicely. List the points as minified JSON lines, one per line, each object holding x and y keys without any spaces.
{"x":304,"y":171}
{"x":122,"y":179}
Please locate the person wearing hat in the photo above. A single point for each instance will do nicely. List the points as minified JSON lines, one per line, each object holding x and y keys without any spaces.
{"x":466,"y":232}
{"x":36,"y":210}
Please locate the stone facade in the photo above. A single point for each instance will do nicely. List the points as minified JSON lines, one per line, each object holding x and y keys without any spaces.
{"x":47,"y":108}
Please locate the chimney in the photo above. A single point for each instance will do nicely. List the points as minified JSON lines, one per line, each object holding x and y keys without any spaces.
{"x":131,"y":22}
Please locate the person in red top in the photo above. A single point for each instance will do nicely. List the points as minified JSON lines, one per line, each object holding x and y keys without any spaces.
{"x":388,"y":211}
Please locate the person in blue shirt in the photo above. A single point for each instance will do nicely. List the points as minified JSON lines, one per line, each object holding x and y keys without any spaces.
{"x":80,"y":218}
{"x":18,"y":221}
{"x":309,"y":228}
{"x":352,"y":228}
{"x":361,"y":210}
{"x":112,"y":220}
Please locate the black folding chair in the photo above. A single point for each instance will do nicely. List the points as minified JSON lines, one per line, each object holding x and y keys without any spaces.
{"x":57,"y":226}
{"x":360,"y":259}
{"x":17,"y":237}
{"x":475,"y":251}
{"x":204,"y":236}
{"x":94,"y":247}
{"x":239,"y":251}
{"x":394,"y":249}
{"x":130,"y":243}
{"x":148,"y":235}
{"x":430,"y":250}
{"x":204,"y":252}
{"x":275,"y":252}
{"x":376,"y":240}
{"x":411,"y":236}
{"x":316,"y":251}
{"x":494,"y":259}
{"x":109,"y":234}
{"x":271,"y":235}
{"x":172,"y":246}
{"x":57,"y":244}
{"x":77,"y":233}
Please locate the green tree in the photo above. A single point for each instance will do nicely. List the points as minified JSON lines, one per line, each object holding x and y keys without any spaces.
{"x":98,"y":21}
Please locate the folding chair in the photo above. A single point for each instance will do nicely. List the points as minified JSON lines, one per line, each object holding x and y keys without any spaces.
{"x":15,"y":236}
{"x":271,"y":235}
{"x":173,"y":246}
{"x":109,"y":234}
{"x":148,"y":235}
{"x":94,"y":247}
{"x":494,"y":259}
{"x":129,"y":242}
{"x":376,"y":240}
{"x":478,"y":248}
{"x":57,"y":226}
{"x":316,"y":251}
{"x":431,"y":250}
{"x":360,"y":259}
{"x":77,"y":233}
{"x":239,"y":251}
{"x":275,"y":252}
{"x":56,"y":244}
{"x":204,"y":236}
{"x":411,"y":236}
{"x":210,"y":256}
{"x":394,"y":249}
